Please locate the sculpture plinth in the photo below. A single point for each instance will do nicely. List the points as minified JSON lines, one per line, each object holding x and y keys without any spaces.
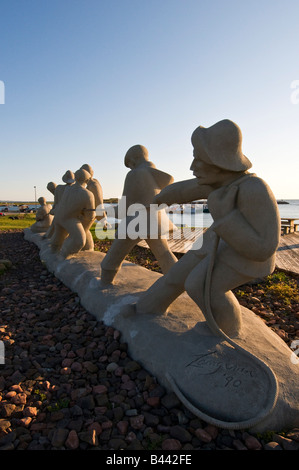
{"x":230,"y":389}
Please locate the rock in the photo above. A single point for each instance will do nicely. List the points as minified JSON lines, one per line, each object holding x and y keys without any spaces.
{"x":96,"y":427}
{"x":239,"y":445}
{"x":153,"y":401}
{"x":30,"y":411}
{"x":131,"y":366}
{"x":212,"y":430}
{"x":59,"y":437}
{"x":203,"y":435}
{"x":286,"y":443}
{"x":87,"y":402}
{"x":72,"y":442}
{"x":117,"y":444}
{"x":171,"y":444}
{"x":90,"y":437}
{"x":7,"y":410}
{"x":251,"y":442}
{"x":151,"y":419}
{"x":137,"y":421}
{"x":180,"y":433}
{"x":4,"y":425}
{"x":98,"y":389}
{"x":122,"y":426}
{"x":170,"y":401}
{"x":112,"y":367}
{"x":272,"y":446}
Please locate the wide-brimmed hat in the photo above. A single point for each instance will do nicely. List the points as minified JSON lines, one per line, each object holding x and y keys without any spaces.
{"x":68,"y":177}
{"x":87,"y":168}
{"x":222,"y":143}
{"x":82,"y":175}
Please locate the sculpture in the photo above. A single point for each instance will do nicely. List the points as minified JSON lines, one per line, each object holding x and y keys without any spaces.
{"x":43,"y":217}
{"x":51,"y":187}
{"x":74,"y":216}
{"x":68,"y":178}
{"x":142,"y":183}
{"x":95,"y":187}
{"x":241,"y":243}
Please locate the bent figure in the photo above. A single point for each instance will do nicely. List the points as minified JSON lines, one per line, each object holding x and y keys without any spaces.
{"x":143,"y":182}
{"x":94,"y":186}
{"x":51,"y":187}
{"x":241,"y":243}
{"x":43,"y":217}
{"x":68,"y":178}
{"x":73,"y":218}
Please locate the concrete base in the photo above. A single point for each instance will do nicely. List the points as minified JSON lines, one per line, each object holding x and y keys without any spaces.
{"x":252,"y":384}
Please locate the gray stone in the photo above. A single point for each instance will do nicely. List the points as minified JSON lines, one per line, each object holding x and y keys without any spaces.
{"x":59,"y":437}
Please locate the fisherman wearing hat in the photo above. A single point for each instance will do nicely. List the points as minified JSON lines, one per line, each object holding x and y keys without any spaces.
{"x":68,"y":178}
{"x":142,"y":183}
{"x":51,"y":186}
{"x":74,"y":217}
{"x":43,"y":217}
{"x":95,"y":187}
{"x":241,"y":243}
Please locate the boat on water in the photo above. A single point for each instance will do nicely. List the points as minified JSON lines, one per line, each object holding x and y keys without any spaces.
{"x":281,"y":201}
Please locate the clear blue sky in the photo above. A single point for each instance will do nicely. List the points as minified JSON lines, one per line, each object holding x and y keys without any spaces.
{"x":87,"y":79}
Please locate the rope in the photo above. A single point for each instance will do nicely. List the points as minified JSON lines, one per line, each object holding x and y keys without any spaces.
{"x":273,"y":394}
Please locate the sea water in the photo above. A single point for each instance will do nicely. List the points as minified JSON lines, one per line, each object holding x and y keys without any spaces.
{"x":201,"y":219}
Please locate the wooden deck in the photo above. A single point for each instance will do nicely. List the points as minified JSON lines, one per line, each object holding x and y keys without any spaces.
{"x":181,"y":244}
{"x":287,"y":255}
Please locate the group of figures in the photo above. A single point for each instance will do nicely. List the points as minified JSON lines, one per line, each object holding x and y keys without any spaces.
{"x":77,"y":204}
{"x":239,"y":246}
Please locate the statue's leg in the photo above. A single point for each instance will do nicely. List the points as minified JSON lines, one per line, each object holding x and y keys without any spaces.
{"x":112,"y":262}
{"x":76,"y":239}
{"x":50,"y":231}
{"x":167,"y":288}
{"x":58,"y":238}
{"x":225,"y":308}
{"x":162,"y":253}
{"x":89,"y":245}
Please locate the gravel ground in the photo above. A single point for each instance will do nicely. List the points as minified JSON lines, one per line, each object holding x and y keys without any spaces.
{"x":68,"y":382}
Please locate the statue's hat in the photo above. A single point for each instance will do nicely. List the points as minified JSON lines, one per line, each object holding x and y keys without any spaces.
{"x":222,"y":143}
{"x":68,"y":177}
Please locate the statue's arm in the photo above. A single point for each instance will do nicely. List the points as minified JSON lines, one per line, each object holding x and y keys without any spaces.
{"x":251,"y":227}
{"x":182,"y":192}
{"x":89,"y":212}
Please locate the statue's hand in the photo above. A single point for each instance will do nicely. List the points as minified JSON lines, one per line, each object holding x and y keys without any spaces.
{"x":165,"y":196}
{"x":222,"y":201}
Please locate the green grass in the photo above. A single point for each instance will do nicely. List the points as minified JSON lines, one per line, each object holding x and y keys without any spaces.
{"x":283,"y":287}
{"x":27,"y":220}
{"x":23,"y":222}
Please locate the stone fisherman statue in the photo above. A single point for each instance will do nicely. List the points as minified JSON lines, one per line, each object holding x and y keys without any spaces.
{"x":74,"y":216}
{"x":142,"y":183}
{"x":241,"y":243}
{"x":43,"y":217}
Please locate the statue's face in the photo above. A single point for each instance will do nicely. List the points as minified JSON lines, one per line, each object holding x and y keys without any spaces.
{"x":207,"y":174}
